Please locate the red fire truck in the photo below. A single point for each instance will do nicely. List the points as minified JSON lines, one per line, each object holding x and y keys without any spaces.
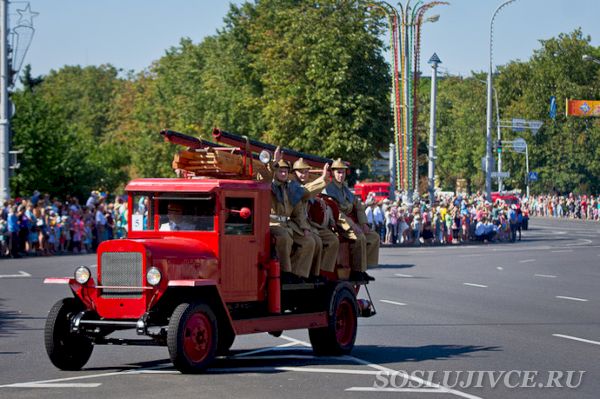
{"x":380,"y":190}
{"x":193,"y":290}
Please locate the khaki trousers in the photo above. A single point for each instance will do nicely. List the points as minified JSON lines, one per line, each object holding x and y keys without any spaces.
{"x":364,"y":250}
{"x":303,"y":254}
{"x":283,"y":246}
{"x":331,"y":246}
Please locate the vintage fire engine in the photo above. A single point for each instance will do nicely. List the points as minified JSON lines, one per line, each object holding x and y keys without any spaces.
{"x":193,"y":290}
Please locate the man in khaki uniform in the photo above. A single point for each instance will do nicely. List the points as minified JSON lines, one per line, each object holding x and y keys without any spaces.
{"x":365,"y":246}
{"x":326,"y":239}
{"x":289,"y":226}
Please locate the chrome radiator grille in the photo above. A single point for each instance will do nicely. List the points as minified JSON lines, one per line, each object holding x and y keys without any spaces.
{"x":121,"y":269}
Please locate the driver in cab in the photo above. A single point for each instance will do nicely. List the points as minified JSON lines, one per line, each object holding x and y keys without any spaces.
{"x":176,"y":218}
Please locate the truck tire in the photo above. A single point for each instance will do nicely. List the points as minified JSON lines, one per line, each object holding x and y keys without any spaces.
{"x":66,"y":350}
{"x":339,"y":336}
{"x":192,"y":337}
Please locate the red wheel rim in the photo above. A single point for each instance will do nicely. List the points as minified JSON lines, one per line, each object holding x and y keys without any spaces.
{"x":197,"y":337}
{"x":345,"y":323}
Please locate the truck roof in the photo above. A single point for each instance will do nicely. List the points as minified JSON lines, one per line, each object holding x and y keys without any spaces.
{"x":193,"y":185}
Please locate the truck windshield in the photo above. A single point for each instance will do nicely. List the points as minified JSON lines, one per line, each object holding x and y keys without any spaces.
{"x":173,"y":212}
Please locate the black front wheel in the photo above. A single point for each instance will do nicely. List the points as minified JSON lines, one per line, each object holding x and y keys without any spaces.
{"x":192,"y":337}
{"x":67,"y":351}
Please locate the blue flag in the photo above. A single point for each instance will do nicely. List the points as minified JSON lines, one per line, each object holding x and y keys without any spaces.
{"x":553,"y":107}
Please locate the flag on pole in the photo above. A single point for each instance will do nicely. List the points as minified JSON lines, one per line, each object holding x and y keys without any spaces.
{"x":553,"y":107}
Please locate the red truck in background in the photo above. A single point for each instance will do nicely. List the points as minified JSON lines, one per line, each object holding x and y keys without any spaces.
{"x":380,"y":190}
{"x":194,"y":290}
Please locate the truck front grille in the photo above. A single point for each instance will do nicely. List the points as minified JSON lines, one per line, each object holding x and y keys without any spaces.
{"x":121,"y":269}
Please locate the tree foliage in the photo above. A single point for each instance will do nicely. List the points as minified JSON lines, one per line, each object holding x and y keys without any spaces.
{"x":309,"y":75}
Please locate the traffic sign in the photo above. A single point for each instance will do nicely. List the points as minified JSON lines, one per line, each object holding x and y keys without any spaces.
{"x":533,"y":176}
{"x":519,"y":145}
{"x":502,"y":175}
{"x":518,"y":125}
{"x":535,"y":126}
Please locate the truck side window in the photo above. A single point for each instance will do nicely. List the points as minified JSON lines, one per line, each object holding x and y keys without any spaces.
{"x":234,"y":223}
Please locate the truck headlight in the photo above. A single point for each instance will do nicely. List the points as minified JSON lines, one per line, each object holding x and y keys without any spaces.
{"x":153,"y":276}
{"x":82,"y":274}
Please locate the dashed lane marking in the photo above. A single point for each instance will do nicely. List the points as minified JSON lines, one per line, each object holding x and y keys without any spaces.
{"x":476,"y":285}
{"x":403,"y":275}
{"x":545,"y":275}
{"x":587,"y":341}
{"x":561,"y":251}
{"x":392,"y":302}
{"x":527,"y":261}
{"x":571,"y":298}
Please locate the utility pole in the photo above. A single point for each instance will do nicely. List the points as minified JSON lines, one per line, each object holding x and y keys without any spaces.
{"x":4,"y":120}
{"x":434,"y":61}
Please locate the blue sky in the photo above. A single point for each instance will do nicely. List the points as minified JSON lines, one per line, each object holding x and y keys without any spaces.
{"x":130,"y":34}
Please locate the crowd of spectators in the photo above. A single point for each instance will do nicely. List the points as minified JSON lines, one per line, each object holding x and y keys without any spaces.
{"x":40,"y":225}
{"x":451,"y":219}
{"x":565,"y":206}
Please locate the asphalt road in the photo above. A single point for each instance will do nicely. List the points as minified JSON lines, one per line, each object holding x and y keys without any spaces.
{"x":491,"y":321}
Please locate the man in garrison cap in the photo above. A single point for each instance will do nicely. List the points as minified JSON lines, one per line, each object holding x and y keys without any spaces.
{"x":365,"y":243}
{"x":326,"y":240}
{"x":289,"y":225}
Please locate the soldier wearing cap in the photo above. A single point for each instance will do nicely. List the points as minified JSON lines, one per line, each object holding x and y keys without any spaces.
{"x":289,"y":225}
{"x":326,"y":240}
{"x":365,"y":246}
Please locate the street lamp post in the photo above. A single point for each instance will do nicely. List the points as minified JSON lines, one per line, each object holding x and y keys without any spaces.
{"x":488,"y":151}
{"x":587,"y":57}
{"x":4,"y":119}
{"x":527,"y":167}
{"x":434,"y":61}
{"x":499,"y":131}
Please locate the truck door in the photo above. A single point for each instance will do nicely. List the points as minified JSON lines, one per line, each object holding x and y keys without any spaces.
{"x":239,"y":249}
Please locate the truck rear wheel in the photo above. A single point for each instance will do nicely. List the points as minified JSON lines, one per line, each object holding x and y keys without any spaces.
{"x":66,"y":350}
{"x":339,"y":336}
{"x":192,"y":337}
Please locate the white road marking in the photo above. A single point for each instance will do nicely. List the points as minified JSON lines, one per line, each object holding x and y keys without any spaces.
{"x":527,"y":261}
{"x":249,"y":353}
{"x":562,"y":250}
{"x":392,"y":302}
{"x":20,"y":275}
{"x":545,"y":275}
{"x":578,"y":244}
{"x":571,"y":298}
{"x":500,"y":268}
{"x":55,"y":385}
{"x":416,"y":390}
{"x":421,"y":382}
{"x":468,"y":255}
{"x":587,"y":341}
{"x":328,"y":370}
{"x":277,"y":357}
{"x":52,"y":383}
{"x":403,"y":275}
{"x":476,"y":285}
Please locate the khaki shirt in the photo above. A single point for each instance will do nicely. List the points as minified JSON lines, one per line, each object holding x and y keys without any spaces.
{"x":294,"y":214}
{"x":346,"y":203}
